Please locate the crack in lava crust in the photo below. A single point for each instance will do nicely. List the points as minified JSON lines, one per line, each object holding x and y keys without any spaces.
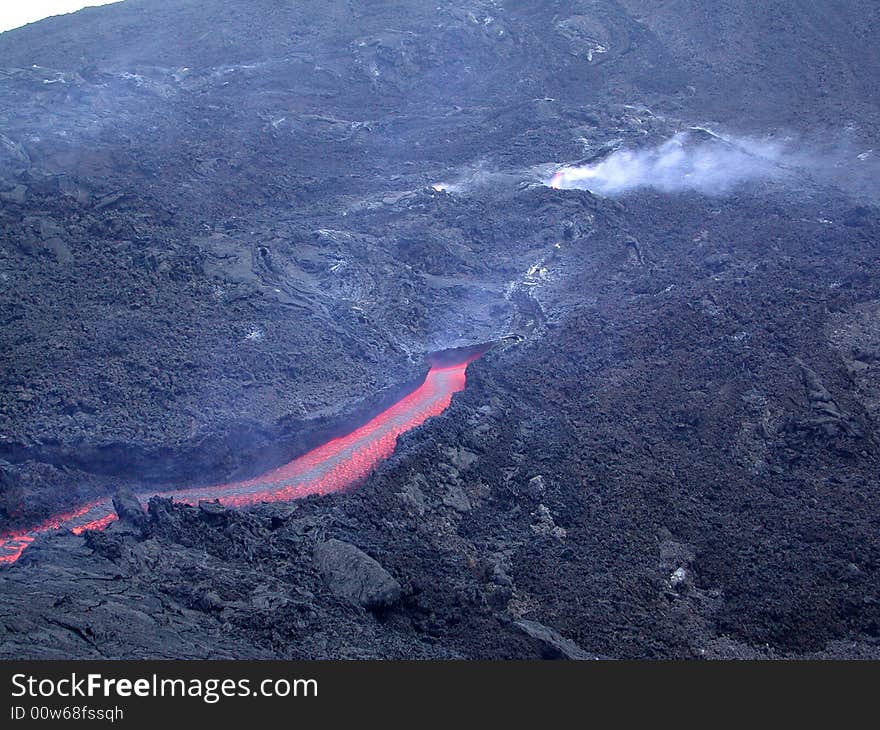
{"x":331,"y":467}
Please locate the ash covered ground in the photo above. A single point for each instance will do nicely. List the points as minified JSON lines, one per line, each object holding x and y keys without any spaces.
{"x":227,"y":227}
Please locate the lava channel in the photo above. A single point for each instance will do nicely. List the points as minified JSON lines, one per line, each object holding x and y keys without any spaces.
{"x":331,"y":467}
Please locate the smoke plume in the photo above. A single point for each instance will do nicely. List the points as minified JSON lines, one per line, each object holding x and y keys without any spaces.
{"x":699,"y":161}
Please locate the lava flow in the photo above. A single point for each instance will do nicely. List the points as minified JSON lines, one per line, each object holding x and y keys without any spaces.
{"x":337,"y":464}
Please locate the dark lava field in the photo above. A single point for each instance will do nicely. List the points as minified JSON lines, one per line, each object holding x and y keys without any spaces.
{"x":232,"y":230}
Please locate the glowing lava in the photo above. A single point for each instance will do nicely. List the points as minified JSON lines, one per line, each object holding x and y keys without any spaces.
{"x":572,"y":178}
{"x":337,"y":464}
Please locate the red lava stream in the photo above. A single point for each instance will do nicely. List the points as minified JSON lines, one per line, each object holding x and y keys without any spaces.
{"x":328,"y":468}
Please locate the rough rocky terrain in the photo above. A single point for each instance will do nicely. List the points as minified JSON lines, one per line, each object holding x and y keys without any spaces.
{"x":227,"y":229}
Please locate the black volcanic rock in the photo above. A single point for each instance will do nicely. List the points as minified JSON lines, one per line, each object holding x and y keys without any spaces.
{"x":229,"y":229}
{"x":553,"y":646}
{"x":352,"y":574}
{"x":129,"y":509}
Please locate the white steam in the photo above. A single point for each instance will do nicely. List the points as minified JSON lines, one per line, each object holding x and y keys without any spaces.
{"x":703,"y":162}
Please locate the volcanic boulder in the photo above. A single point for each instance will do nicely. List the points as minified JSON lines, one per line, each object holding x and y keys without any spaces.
{"x":352,"y":574}
{"x":129,"y":509}
{"x":552,"y":644}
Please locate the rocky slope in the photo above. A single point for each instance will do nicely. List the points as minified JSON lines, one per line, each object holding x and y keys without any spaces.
{"x":223,"y":229}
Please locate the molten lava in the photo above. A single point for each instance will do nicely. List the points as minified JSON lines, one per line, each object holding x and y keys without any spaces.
{"x":328,"y":468}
